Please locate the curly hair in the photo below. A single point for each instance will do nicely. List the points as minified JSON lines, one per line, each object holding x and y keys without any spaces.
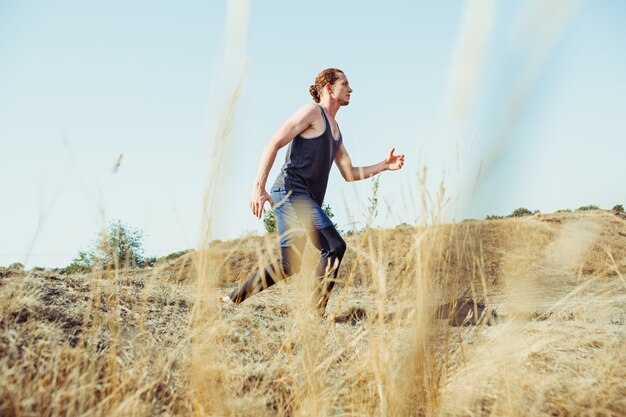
{"x":328,"y":76}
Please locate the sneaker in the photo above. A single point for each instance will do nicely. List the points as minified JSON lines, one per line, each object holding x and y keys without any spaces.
{"x":225,"y":300}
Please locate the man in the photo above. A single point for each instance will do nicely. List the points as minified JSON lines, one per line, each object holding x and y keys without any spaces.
{"x":315,"y":141}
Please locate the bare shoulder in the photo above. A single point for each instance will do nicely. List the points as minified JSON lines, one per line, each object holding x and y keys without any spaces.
{"x":304,"y":119}
{"x":308,"y":111}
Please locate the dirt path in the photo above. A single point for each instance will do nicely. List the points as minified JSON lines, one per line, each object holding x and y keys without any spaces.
{"x":532,"y":283}
{"x":554,"y":333}
{"x":565,"y":254}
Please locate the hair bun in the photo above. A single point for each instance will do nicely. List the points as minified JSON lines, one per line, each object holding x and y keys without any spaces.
{"x":314,"y":93}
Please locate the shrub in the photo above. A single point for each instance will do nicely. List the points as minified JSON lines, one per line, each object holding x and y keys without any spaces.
{"x":618,"y":208}
{"x":16,"y":266}
{"x":521,"y":212}
{"x":589,"y":207}
{"x":269,"y":221}
{"x":83,"y":262}
{"x":120,"y":246}
{"x":150,"y":261}
{"x":269,"y":218}
{"x":493,"y":217}
{"x":329,"y":213}
{"x":175,"y":255}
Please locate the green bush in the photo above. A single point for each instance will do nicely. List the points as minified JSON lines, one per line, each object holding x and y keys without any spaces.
{"x":83,"y":262}
{"x":618,"y":208}
{"x":329,"y":213}
{"x":16,"y":266}
{"x":493,"y":217}
{"x":521,"y":212}
{"x":120,"y":246}
{"x":589,"y":207}
{"x":269,"y":218}
{"x":269,"y":221}
{"x":175,"y":255}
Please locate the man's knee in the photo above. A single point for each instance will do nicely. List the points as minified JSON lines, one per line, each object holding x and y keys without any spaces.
{"x":338,"y":247}
{"x":290,"y":267}
{"x":291,"y":260}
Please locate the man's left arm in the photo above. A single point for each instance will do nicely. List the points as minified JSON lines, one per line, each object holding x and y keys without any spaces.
{"x":351,"y":173}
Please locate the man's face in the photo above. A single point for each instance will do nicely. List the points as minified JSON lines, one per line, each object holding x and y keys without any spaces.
{"x":341,"y":90}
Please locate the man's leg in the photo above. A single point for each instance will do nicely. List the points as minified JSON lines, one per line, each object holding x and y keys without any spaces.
{"x":292,"y":241}
{"x":288,"y":265}
{"x":332,"y":248}
{"x":324,"y":237}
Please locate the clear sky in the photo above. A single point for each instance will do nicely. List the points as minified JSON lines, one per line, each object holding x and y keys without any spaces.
{"x":530,"y":94}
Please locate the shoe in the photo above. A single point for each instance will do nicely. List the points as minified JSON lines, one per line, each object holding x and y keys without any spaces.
{"x":225,"y":300}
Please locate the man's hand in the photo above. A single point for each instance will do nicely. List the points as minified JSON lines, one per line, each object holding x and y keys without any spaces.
{"x":257,"y":201}
{"x":394,"y":162}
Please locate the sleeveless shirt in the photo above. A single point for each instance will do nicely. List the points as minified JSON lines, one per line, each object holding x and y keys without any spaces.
{"x":308,"y":162}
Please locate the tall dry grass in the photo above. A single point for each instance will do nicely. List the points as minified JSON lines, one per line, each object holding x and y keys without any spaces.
{"x":143,"y":343}
{"x":155,"y":342}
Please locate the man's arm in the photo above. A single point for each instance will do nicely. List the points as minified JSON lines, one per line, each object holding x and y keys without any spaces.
{"x":296,"y":124}
{"x":351,"y":173}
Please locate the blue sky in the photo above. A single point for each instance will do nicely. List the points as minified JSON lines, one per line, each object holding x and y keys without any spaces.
{"x":83,"y":82}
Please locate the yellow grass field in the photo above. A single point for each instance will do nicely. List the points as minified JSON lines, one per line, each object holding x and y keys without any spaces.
{"x":401,"y":337}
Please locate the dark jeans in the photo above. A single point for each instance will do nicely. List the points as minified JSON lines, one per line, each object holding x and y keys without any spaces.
{"x":297,"y":216}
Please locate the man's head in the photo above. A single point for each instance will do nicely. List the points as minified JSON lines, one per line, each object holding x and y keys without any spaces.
{"x":333,"y":83}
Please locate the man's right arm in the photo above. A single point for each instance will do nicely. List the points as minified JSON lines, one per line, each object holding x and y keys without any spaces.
{"x":296,"y":124}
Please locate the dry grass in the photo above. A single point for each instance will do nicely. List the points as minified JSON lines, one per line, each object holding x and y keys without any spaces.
{"x":155,"y":342}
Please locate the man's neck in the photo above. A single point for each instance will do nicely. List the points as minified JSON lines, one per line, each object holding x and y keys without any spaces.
{"x":331,"y":106}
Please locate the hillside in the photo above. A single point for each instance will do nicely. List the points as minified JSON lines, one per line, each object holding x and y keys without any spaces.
{"x":400,"y":338}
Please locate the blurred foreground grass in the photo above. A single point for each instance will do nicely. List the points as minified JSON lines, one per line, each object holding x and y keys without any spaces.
{"x":154,"y":342}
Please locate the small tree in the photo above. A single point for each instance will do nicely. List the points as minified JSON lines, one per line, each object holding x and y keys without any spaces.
{"x":83,"y":262}
{"x":521,"y":212}
{"x":329,"y":213}
{"x":618,"y":208}
{"x":269,"y":221}
{"x":269,"y":218}
{"x":16,"y":266}
{"x":120,"y":246}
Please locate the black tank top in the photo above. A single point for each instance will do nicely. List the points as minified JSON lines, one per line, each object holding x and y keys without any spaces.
{"x":308,"y":162}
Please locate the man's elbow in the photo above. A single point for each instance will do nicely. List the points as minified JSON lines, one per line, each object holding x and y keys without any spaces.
{"x":348,"y":176}
{"x":273,"y":146}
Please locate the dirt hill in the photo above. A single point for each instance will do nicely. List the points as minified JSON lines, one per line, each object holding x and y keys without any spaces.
{"x":547,"y":292}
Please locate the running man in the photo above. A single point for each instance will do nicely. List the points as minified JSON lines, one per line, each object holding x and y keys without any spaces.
{"x":315,"y":141}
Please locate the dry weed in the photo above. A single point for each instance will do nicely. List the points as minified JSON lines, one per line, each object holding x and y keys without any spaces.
{"x":155,"y":342}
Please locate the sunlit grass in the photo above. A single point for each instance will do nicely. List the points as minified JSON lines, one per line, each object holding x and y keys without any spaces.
{"x":155,"y":342}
